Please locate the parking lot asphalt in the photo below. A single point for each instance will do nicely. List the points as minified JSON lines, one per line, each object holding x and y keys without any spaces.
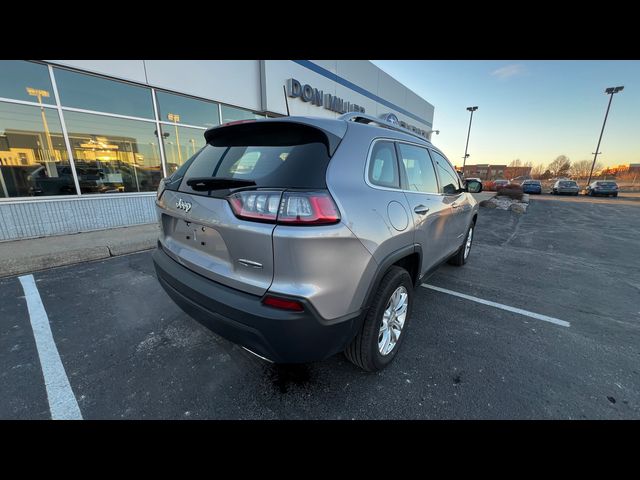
{"x":130,"y":353}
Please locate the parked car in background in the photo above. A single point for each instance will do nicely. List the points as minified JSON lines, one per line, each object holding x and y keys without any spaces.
{"x":532,"y":186}
{"x":500,"y":184}
{"x":601,"y":187}
{"x":565,"y":187}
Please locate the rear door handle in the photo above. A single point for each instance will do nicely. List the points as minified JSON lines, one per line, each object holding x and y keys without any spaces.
{"x":421,"y":209}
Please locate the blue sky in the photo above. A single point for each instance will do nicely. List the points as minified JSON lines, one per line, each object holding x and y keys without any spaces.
{"x":531,"y":110}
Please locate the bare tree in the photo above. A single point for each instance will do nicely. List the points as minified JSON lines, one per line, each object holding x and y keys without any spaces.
{"x":582,"y":168}
{"x":560,"y":166}
{"x":537,"y":171}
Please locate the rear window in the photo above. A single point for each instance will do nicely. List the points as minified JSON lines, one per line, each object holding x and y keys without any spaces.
{"x":531,"y":182}
{"x":607,"y":184}
{"x":273,"y":155}
{"x":568,"y":184}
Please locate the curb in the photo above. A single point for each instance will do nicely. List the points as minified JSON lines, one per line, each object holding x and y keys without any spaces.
{"x":33,"y":263}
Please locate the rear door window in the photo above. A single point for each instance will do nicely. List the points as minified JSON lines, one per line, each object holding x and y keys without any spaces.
{"x":271,"y":155}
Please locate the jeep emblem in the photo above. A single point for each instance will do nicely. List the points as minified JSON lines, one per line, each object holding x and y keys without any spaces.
{"x":182,"y":205}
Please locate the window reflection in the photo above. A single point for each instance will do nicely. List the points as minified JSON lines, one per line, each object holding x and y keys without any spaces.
{"x":114,"y":154}
{"x":89,"y":92}
{"x":187,"y":110}
{"x":232,"y":114}
{"x":21,"y":80}
{"x":180,"y":144}
{"x":33,"y":155}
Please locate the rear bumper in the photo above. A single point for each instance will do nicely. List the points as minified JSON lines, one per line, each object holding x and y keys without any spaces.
{"x":278,"y":335}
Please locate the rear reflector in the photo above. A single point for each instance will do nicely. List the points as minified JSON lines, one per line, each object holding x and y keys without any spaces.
{"x":282,"y":303}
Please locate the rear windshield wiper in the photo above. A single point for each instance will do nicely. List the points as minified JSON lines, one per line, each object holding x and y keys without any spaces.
{"x":207,"y":184}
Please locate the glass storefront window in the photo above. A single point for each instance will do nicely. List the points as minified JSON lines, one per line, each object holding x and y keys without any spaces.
{"x":181,"y":109}
{"x":33,"y":155}
{"x":114,"y":154}
{"x":89,"y":92}
{"x":232,"y":114}
{"x":180,"y":144}
{"x":28,"y":81}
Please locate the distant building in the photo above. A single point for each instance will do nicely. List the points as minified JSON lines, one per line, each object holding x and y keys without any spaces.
{"x":634,"y":168}
{"x":485,"y":171}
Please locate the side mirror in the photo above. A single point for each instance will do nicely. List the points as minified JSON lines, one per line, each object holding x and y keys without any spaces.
{"x":473,"y":186}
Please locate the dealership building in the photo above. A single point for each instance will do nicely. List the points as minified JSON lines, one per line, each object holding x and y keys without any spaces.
{"x":84,"y":143}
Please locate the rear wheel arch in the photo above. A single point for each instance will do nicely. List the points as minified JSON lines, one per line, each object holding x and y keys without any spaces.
{"x":409,"y":258}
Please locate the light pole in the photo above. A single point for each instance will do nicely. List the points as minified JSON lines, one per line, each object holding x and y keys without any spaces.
{"x":175,"y":118}
{"x":34,"y":92}
{"x":464,"y":160}
{"x":609,"y":91}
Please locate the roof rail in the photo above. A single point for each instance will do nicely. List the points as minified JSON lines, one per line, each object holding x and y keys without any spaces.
{"x":364,"y":118}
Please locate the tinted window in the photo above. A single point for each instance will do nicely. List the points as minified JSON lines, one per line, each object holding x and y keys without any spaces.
{"x":180,"y":109}
{"x":25,"y":81}
{"x":95,"y":93}
{"x":383,"y":166}
{"x":449,"y":182}
{"x":33,"y":155}
{"x":421,"y":177}
{"x":279,"y":155}
{"x":568,"y":184}
{"x":114,"y":155}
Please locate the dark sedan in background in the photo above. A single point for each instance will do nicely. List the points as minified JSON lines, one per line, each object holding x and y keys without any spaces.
{"x":601,"y":187}
{"x":532,"y":186}
{"x":568,"y":187}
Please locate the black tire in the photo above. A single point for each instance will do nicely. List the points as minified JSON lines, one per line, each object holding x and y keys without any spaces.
{"x":458,"y":259}
{"x":363,"y":350}
{"x":615,"y":195}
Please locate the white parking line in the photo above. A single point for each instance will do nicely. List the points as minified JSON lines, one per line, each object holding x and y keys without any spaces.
{"x":62,"y":401}
{"x":520,"y":311}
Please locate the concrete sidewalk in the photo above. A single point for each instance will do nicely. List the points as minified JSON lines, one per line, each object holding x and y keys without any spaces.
{"x":26,"y":256}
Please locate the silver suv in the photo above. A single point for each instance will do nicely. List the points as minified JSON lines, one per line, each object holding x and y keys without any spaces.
{"x":301,"y":237}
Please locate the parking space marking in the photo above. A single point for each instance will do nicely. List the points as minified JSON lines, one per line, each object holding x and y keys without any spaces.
{"x":527,"y":313}
{"x":62,"y":402}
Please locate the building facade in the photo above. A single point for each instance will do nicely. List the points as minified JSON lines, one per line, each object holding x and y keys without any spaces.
{"x":485,"y":171}
{"x":84,"y":143}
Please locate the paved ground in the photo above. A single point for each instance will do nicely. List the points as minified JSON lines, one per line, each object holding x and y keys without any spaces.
{"x":129,"y":352}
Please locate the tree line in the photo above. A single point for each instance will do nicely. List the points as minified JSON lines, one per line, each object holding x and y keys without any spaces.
{"x":563,"y":167}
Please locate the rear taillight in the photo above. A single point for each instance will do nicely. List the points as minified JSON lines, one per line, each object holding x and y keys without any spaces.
{"x":256,"y":205}
{"x":286,"y":208}
{"x":282,"y":303}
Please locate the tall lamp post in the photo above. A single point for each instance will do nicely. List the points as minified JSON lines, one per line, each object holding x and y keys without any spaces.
{"x":609,"y":91}
{"x":39,"y":94}
{"x":464,"y":160}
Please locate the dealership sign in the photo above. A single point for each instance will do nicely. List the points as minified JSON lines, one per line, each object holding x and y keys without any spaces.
{"x":316,"y":97}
